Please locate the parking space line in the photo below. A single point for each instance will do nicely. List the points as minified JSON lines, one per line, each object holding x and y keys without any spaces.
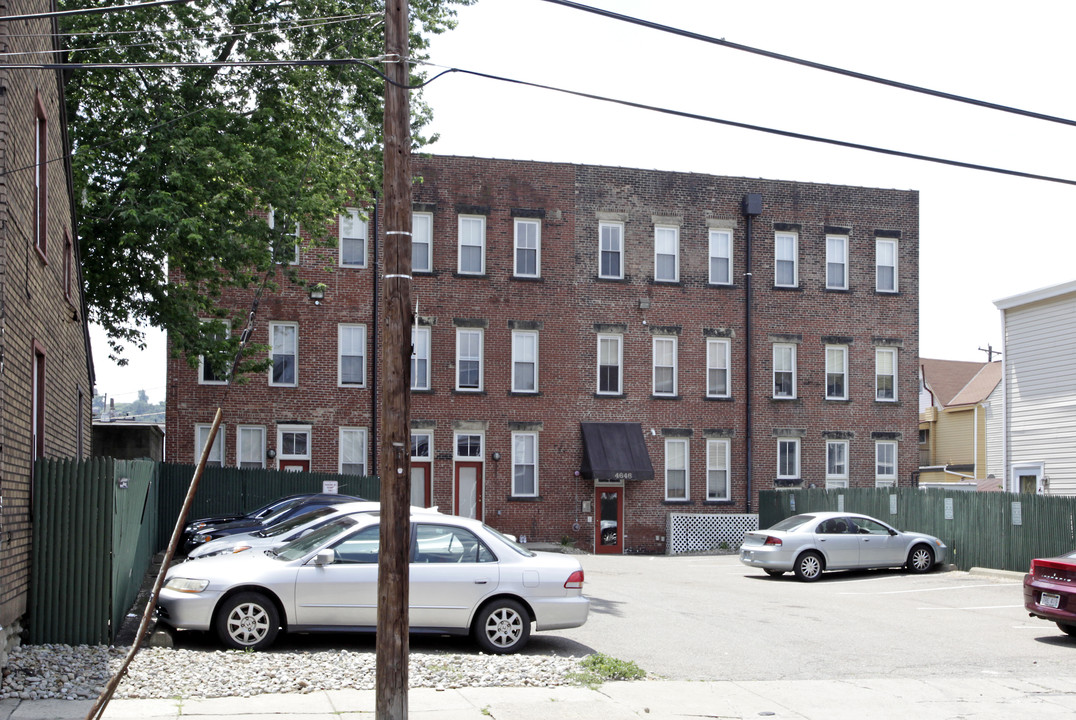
{"x":933,"y":589}
{"x":981,"y":607}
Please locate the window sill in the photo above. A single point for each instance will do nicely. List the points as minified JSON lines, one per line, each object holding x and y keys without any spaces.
{"x":788,"y":288}
{"x":528,"y":278}
{"x":717,"y":503}
{"x":838,"y":291}
{"x":458,"y":391}
{"x":524,"y":498}
{"x":843,"y":401}
{"x":422,"y":391}
{"x":470,"y":276}
{"x":523,"y":393}
{"x":610,"y":396}
{"x":682,"y":503}
{"x":666,"y":283}
{"x":788,"y":482}
{"x":718,"y":398}
{"x":722,"y":286}
{"x":622,"y":280}
{"x":665,"y":397}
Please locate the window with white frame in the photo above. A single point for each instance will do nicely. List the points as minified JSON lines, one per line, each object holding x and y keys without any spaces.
{"x":788,"y":458}
{"x":215,"y":458}
{"x":885,"y":374}
{"x":611,"y":250}
{"x":720,"y":257}
{"x":293,"y":442}
{"x":717,"y":469}
{"x":284,"y":343}
{"x":666,"y":253}
{"x":250,"y":446}
{"x":422,"y":242}
{"x":524,"y":464}
{"x":41,"y":175}
{"x":422,"y":446}
{"x":836,"y":372}
{"x":420,"y":357}
{"x":836,"y":262}
{"x":352,"y":239}
{"x":786,"y":260}
{"x":468,"y":446}
{"x":351,"y":358}
{"x":285,"y":248}
{"x":524,"y":361}
{"x":784,"y":371}
{"x":676,"y":469}
{"x":468,"y":359}
{"x":717,"y":368}
{"x":528,"y":248}
{"x":472,"y":244}
{"x":886,"y":265}
{"x":207,"y":375}
{"x":352,"y":451}
{"x":610,"y":364}
{"x":664,"y":365}
{"x":885,"y":463}
{"x":836,"y":463}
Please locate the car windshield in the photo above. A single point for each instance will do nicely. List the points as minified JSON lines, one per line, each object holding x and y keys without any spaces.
{"x":268,"y":512}
{"x":301,"y":546}
{"x":509,"y":542}
{"x":289,"y":525}
{"x":793,"y":523}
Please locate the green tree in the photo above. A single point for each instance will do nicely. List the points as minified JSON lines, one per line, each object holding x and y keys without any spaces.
{"x":177,"y":167}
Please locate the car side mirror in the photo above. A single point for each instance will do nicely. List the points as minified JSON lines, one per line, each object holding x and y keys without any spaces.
{"x":325,"y":557}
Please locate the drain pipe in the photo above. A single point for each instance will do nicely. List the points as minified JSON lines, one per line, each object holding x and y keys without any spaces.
{"x":751,"y":206}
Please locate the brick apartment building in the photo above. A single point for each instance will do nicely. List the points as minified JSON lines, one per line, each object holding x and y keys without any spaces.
{"x":46,"y":373}
{"x":587,"y":361}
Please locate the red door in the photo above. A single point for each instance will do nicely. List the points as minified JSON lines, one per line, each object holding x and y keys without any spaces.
{"x":609,"y":529}
{"x":420,"y":484}
{"x":468,"y":495}
{"x":295,"y":465}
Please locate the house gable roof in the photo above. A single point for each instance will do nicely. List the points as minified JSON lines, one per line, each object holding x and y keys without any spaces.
{"x":980,"y":386}
{"x":947,"y":378}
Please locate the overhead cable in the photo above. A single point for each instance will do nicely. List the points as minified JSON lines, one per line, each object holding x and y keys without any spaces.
{"x":817,"y":66}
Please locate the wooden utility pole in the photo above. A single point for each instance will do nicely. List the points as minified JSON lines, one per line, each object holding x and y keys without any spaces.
{"x":394,"y":467}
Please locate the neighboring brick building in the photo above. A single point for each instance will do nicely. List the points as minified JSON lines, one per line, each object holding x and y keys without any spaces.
{"x":577,"y":326}
{"x":46,"y":375}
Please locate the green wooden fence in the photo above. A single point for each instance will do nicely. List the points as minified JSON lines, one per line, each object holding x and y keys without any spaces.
{"x":99,"y":522}
{"x":993,"y":530}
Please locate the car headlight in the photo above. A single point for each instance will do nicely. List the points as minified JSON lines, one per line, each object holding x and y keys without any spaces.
{"x":186,"y":585}
{"x":240,"y":548}
{"x":202,"y":538}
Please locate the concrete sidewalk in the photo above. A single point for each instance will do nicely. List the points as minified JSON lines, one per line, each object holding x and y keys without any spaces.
{"x":927,"y":699}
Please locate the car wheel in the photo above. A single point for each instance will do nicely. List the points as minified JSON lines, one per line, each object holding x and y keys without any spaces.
{"x":502,"y":626}
{"x":920,"y":559}
{"x":247,"y":621}
{"x":775,"y":573}
{"x":809,"y":566}
{"x":1069,"y":630}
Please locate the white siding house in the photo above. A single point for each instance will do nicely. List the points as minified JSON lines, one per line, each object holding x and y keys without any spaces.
{"x":1039,"y":385}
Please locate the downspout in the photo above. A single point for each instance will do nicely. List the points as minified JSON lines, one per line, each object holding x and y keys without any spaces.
{"x":372,"y":451}
{"x":751,"y":206}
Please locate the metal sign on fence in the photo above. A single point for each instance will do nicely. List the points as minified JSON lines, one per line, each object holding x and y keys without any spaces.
{"x":1017,"y":513}
{"x":948,"y":508}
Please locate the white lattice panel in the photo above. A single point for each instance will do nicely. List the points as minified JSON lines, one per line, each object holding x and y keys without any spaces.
{"x":700,"y":533}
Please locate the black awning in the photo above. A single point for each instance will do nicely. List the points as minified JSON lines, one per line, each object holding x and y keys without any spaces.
{"x":615,"y":451}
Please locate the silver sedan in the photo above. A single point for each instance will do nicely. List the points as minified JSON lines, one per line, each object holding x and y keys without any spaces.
{"x":811,"y":543}
{"x":465,"y":577}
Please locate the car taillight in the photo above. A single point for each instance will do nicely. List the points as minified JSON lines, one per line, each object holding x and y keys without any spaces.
{"x":771,"y":540}
{"x":574,"y":581}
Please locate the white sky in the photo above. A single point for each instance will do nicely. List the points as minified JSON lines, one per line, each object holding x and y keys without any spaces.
{"x":983,"y":236}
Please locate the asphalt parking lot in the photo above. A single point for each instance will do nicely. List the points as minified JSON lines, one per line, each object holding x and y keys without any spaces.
{"x":712,"y":618}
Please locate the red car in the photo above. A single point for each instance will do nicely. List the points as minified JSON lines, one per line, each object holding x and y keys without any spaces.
{"x":1050,"y":591}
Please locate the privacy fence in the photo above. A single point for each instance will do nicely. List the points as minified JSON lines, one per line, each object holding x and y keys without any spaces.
{"x":989,"y":529}
{"x":98,"y":523}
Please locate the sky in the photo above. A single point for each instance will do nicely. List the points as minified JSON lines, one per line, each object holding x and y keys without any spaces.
{"x":982,"y":236}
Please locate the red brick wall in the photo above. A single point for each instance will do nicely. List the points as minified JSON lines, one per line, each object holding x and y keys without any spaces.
{"x":569,"y":302}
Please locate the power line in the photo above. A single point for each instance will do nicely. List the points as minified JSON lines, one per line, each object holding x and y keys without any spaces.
{"x":772,"y":131}
{"x":817,"y":66}
{"x":91,"y":11}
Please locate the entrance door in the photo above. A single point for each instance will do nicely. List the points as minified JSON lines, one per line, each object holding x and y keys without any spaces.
{"x":420,"y":484}
{"x":610,"y":525}
{"x":295,"y":465}
{"x":1028,"y":478}
{"x":469,"y":490}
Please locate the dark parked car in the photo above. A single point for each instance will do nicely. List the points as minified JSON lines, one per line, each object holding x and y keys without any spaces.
{"x":1050,"y":591}
{"x":206,"y":529}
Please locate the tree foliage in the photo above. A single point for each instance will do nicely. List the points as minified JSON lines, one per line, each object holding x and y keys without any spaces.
{"x":175,"y":169}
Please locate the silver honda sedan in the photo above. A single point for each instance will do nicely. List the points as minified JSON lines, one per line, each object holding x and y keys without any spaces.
{"x":811,"y":543}
{"x":465,"y":577}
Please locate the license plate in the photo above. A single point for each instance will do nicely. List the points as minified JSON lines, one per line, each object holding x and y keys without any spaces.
{"x":1050,"y":600}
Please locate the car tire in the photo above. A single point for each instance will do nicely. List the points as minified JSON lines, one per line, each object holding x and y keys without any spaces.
{"x":775,"y":573}
{"x":247,"y":621}
{"x":502,"y":626}
{"x":809,"y":566}
{"x":920,"y":559}
{"x":1068,"y":629}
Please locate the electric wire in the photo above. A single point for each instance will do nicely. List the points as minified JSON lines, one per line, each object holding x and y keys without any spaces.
{"x":815,"y":65}
{"x":91,"y":11}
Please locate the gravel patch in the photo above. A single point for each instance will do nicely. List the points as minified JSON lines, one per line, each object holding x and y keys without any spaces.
{"x":38,"y":672}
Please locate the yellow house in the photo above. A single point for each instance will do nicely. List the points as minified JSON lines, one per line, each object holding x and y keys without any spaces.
{"x":960,"y":424}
